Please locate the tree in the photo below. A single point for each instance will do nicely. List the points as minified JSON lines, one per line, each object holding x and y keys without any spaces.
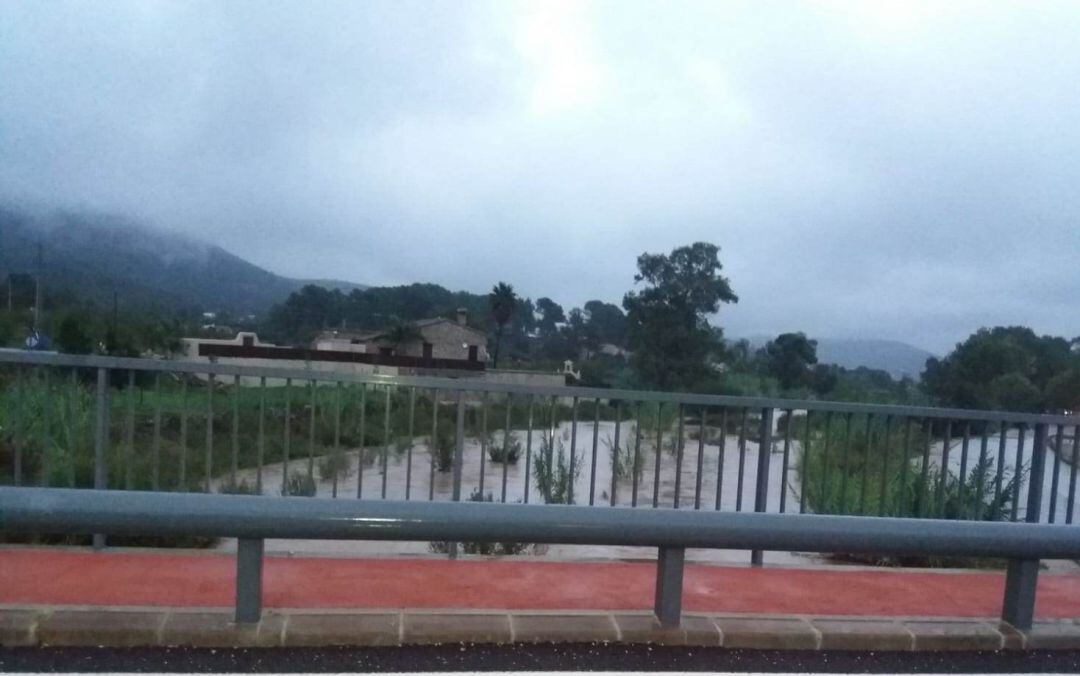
{"x":789,"y":357}
{"x":72,"y":337}
{"x":607,"y":322}
{"x":503,"y":301}
{"x":668,"y":319}
{"x":1000,"y":368}
{"x":1063,"y":391}
{"x":551,"y":315}
{"x":402,"y":333}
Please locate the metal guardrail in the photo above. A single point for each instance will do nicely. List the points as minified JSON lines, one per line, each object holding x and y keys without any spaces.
{"x":252,"y":520}
{"x":108,"y":422}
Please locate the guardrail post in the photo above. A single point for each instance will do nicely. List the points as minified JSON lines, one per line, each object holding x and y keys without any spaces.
{"x":101,"y":441}
{"x":1021,"y":579}
{"x":669,"y":579}
{"x":1022,"y":576}
{"x":761,"y":496}
{"x":249,"y":565}
{"x":459,"y":458}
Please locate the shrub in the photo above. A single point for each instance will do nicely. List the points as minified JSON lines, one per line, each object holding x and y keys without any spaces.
{"x":509,"y":451}
{"x":484,"y":548}
{"x":624,"y":460}
{"x":335,"y":465}
{"x":442,"y":446}
{"x":241,"y":487}
{"x":552,"y":471}
{"x":299,"y":485}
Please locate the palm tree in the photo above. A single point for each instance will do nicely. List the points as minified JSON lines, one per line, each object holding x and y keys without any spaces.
{"x":503,"y":301}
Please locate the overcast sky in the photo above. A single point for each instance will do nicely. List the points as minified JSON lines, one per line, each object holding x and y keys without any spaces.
{"x":875,"y":169}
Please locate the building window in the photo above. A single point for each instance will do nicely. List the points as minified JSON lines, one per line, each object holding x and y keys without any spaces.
{"x":386,"y":351}
{"x":474,"y":353}
{"x":249,"y":341}
{"x":428,"y":349}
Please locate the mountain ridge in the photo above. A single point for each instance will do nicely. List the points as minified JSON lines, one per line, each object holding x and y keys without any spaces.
{"x":96,"y":255}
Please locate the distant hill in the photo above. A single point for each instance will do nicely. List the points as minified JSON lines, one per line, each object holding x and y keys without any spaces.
{"x":91,"y":255}
{"x":896,"y":357}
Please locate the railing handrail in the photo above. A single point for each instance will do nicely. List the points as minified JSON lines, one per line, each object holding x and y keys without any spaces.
{"x":253,"y":520}
{"x":77,"y":511}
{"x":475,"y":384}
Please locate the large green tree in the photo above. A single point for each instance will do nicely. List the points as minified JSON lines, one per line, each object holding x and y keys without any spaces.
{"x":1008,"y":368}
{"x":789,"y":357}
{"x":503,"y":301}
{"x":668,"y":319}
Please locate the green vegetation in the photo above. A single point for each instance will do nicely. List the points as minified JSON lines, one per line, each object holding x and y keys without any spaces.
{"x":485,"y":548}
{"x":551,"y":469}
{"x":505,"y":452}
{"x":1008,"y":368}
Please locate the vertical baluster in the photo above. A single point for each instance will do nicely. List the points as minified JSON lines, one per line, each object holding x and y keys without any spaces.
{"x":720,"y":458}
{"x":845,"y":467}
{"x":386,"y":442}
{"x":506,"y":446}
{"x":637,"y":454}
{"x":678,"y":456}
{"x":924,"y":488}
{"x":312,"y":421}
{"x":484,"y":441}
{"x":1075,"y":457}
{"x":659,"y":451}
{"x":742,"y":460}
{"x":804,"y":462}
{"x":939,"y":499}
{"x":615,"y":456}
{"x":528,"y":446}
{"x":411,"y":437}
{"x":21,"y":426}
{"x":261,"y":441}
{"x":965,"y":441}
{"x":46,"y":434}
{"x":787,"y":455}
{"x":101,"y":442}
{"x":984,"y":442}
{"x":573,"y":451}
{"x":434,"y":441}
{"x":73,"y":427}
{"x":129,"y":432}
{"x":1016,"y":471}
{"x":155,"y":451}
{"x":595,"y":439}
{"x":999,"y":471}
{"x":868,"y":442}
{"x":209,"y":460}
{"x":704,"y":413}
{"x":885,"y":464}
{"x":905,"y":466}
{"x":1057,"y":471}
{"x":825,"y":486}
{"x":183,"y":432}
{"x":234,"y":461}
{"x":362,"y":456}
{"x":286,"y":438}
{"x":338,"y":457}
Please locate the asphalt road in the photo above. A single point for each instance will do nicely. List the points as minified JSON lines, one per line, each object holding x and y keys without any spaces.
{"x":543,"y":657}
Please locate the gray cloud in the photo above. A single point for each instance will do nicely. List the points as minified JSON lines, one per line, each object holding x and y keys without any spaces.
{"x":892,"y":169}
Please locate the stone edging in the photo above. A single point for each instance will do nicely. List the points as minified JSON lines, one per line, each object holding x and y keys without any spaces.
{"x":128,"y":627}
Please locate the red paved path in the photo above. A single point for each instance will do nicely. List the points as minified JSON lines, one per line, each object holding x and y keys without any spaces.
{"x":37,"y":576}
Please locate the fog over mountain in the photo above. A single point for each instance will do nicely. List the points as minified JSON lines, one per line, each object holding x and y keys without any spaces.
{"x":92,"y":256}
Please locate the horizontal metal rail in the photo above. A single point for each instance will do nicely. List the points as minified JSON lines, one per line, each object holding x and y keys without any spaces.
{"x":253,"y":519}
{"x":480,"y":385}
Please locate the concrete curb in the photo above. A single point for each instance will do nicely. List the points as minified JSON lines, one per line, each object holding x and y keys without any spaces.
{"x":22,"y":626}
